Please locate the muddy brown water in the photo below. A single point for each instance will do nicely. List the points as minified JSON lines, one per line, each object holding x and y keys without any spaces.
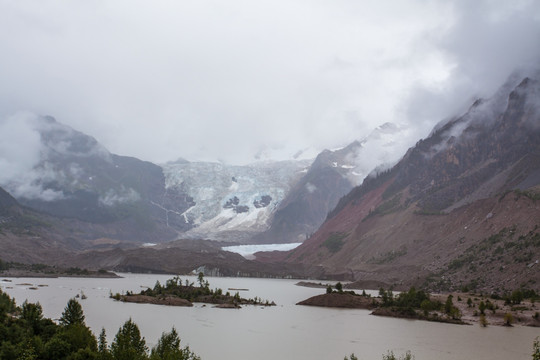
{"x":285,"y":331}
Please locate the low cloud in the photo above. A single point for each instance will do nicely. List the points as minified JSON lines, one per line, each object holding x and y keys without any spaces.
{"x":380,"y":150}
{"x":20,"y":154}
{"x":485,"y":112}
{"x":122,"y":196}
{"x":32,"y":152}
{"x":208,"y":81}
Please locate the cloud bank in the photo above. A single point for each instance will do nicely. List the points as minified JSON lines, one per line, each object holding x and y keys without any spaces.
{"x":208,"y":80}
{"x":20,"y":154}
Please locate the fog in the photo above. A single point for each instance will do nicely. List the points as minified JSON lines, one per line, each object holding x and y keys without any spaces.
{"x":241,"y":81}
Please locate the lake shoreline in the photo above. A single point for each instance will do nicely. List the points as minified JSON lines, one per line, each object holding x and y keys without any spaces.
{"x":17,"y":273}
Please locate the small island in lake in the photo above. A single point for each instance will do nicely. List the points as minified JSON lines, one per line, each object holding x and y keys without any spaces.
{"x":340,"y":300}
{"x":176,"y":293}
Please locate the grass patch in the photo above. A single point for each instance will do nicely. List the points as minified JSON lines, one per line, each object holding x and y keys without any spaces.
{"x":527,"y":193}
{"x":334,"y":242}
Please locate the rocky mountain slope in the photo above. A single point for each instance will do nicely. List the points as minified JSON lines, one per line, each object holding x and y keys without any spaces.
{"x":21,"y":231}
{"x":461,"y":209}
{"x":7,"y":204}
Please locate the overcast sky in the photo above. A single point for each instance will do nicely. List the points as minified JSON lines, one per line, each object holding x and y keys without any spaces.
{"x":226,"y":80}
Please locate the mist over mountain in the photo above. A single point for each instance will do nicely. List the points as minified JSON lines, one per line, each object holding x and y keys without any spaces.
{"x":332,"y":175}
{"x":463,"y":199}
{"x":62,"y":172}
{"x":65,"y":173}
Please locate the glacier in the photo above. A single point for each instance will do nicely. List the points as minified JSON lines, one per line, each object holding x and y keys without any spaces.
{"x":247,"y":251}
{"x":232,"y":202}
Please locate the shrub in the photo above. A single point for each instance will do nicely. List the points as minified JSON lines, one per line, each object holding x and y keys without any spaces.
{"x":508,"y":319}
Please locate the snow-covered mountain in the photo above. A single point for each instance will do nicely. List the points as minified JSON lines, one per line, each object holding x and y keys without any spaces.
{"x":276,"y":201}
{"x":232,"y":202}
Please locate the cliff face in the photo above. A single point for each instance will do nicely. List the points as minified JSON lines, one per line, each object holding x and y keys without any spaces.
{"x":7,"y":203}
{"x":460,"y":209}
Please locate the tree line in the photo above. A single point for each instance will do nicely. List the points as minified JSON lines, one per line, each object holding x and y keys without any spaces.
{"x":25,"y":334}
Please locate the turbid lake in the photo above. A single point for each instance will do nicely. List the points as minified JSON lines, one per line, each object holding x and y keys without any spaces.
{"x":286,"y":331}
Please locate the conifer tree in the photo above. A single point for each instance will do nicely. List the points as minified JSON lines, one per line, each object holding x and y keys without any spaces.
{"x":73,"y":314}
{"x":168,"y":348}
{"x":103,"y":350}
{"x":128,"y":343}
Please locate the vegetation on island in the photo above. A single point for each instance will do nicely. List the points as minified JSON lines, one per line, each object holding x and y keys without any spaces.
{"x":417,"y":304}
{"x":25,"y":334}
{"x":507,"y":309}
{"x":174,"y":288}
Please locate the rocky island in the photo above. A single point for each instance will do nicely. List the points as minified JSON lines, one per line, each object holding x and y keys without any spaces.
{"x":341,"y":300}
{"x":178,"y":293}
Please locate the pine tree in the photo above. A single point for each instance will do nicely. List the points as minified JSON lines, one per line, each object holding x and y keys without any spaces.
{"x":32,"y":315}
{"x":73,"y":314}
{"x":128,"y":344}
{"x":168,"y":348}
{"x":103,"y":350}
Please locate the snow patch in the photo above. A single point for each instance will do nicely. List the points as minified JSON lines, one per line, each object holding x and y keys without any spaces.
{"x":310,"y":187}
{"x":234,"y":186}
